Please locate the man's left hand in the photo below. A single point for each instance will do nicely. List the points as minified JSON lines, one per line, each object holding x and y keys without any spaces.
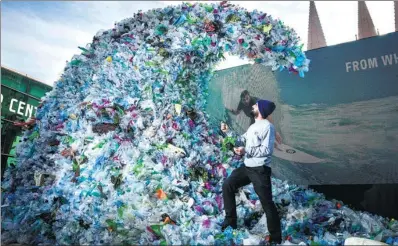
{"x":239,"y":150}
{"x":278,"y":138}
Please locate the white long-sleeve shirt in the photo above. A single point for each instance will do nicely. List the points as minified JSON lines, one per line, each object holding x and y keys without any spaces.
{"x":259,"y":142}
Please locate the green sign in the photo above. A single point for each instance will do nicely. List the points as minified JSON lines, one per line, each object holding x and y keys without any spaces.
{"x":20,"y":96}
{"x":15,"y":103}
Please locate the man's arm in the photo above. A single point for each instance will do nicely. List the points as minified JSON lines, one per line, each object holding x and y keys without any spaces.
{"x":234,"y":111}
{"x":241,"y":139}
{"x":267,"y":144}
{"x":278,"y":137}
{"x":237,"y":110}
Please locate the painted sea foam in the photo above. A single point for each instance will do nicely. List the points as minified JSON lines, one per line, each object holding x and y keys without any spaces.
{"x":359,"y":142}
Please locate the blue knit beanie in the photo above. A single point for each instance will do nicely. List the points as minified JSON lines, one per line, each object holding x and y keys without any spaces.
{"x":265,"y":107}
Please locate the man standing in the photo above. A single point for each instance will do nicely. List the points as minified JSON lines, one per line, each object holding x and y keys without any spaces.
{"x":258,"y":144}
{"x":245,"y":104}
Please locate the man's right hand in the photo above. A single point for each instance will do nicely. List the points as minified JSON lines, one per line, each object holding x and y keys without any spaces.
{"x":224,"y":127}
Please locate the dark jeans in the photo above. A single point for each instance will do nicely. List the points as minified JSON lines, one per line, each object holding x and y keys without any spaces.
{"x":261,"y":179}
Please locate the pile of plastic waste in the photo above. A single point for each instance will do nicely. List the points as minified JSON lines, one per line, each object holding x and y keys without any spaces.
{"x":122,"y":152}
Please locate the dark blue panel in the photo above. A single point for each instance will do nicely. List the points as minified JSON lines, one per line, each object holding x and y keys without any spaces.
{"x":332,"y":79}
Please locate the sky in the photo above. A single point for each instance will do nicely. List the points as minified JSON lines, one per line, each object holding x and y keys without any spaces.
{"x":37,"y":38}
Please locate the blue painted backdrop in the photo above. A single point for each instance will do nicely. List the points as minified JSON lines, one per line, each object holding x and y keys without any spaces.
{"x":329,"y":83}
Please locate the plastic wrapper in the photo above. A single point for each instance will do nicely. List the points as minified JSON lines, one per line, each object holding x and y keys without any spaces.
{"x":122,"y":139}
